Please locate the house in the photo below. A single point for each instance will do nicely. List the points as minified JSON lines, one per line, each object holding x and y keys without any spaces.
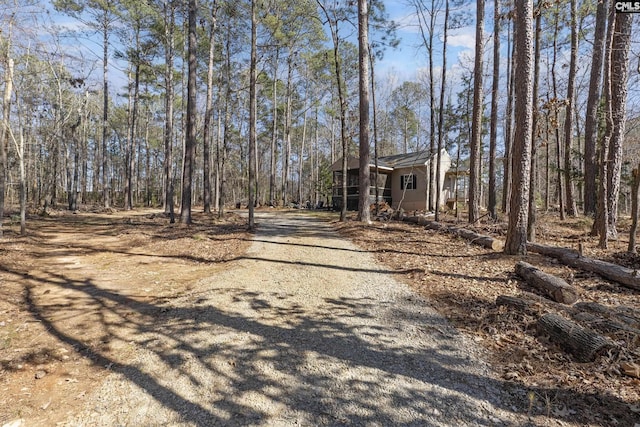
{"x":402,"y":181}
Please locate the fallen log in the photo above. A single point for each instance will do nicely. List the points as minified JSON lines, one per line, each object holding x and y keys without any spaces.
{"x":433,"y":225}
{"x":475,"y":238}
{"x":515,"y":302}
{"x":618,"y":314}
{"x":584,"y":344}
{"x":603,"y":324}
{"x":553,"y":286}
{"x":478,"y":239}
{"x":600,"y":319}
{"x":625,"y":276}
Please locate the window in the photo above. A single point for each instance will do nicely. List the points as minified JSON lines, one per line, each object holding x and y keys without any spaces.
{"x":408,"y":182}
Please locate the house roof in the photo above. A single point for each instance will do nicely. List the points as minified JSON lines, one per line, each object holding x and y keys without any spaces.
{"x":354,"y":163}
{"x":420,"y":158}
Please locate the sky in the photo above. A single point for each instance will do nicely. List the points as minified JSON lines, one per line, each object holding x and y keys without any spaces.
{"x":411,"y":57}
{"x":400,"y":64}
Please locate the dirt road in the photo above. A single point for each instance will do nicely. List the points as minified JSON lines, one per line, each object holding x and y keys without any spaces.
{"x":305,"y":329}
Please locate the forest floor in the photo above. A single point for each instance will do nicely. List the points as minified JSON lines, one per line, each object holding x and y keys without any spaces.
{"x":68,"y":287}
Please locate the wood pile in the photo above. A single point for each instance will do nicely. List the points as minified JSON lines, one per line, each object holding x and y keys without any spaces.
{"x":384,"y":212}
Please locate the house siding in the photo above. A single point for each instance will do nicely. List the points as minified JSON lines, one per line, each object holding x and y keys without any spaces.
{"x":395,"y":167}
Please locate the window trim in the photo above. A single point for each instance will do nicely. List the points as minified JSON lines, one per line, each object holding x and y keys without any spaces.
{"x":408,"y":181}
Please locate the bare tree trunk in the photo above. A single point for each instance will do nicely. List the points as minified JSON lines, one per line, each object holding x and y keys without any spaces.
{"x":635,"y":212}
{"x":4,"y":134}
{"x":364,"y":151}
{"x":493,"y":132}
{"x":508,"y":137}
{"x":208,"y":115}
{"x":568,"y":119}
{"x":168,"y":104}
{"x":128,"y":204}
{"x":619,"y":77}
{"x":531,"y":223}
{"x":274,"y":135}
{"x":516,"y":242}
{"x":105,"y":116}
{"x":252,"y":115}
{"x":441,"y":116}
{"x":222,"y":157}
{"x":591,"y":119}
{"x":476,"y":130}
{"x":286,"y":155}
{"x":600,"y":225}
{"x":303,"y":142}
{"x":190,"y":141}
{"x":343,"y":107}
{"x":556,"y":125}
{"x":432,"y":108}
{"x":375,"y":131}
{"x":23,"y":183}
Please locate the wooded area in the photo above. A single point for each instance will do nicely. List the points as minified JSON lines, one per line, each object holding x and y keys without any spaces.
{"x":218,"y":103}
{"x":212,"y":106}
{"x":209,"y":105}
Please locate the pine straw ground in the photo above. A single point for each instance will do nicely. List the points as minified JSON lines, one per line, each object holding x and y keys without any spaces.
{"x":462,"y":282}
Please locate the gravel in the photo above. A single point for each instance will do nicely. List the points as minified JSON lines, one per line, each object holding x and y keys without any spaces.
{"x":305,"y":329}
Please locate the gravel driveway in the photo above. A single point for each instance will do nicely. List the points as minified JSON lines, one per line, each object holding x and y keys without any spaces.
{"x":305,"y":329}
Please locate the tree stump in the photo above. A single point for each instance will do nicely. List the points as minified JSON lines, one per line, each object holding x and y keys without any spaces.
{"x":583,"y":344}
{"x":553,"y":286}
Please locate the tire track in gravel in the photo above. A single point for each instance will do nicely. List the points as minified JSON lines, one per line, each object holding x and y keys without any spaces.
{"x":305,"y":329}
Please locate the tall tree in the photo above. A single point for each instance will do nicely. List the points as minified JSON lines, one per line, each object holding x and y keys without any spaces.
{"x":441,"y":130}
{"x":333,"y":16}
{"x":427,"y":31}
{"x":516,"y":242}
{"x":555,"y":105}
{"x":363,"y":68}
{"x":531,"y":223}
{"x":568,"y":117}
{"x":168,"y":38}
{"x":475,"y":177}
{"x":137,"y":19}
{"x":190,"y":141}
{"x":591,"y":115}
{"x":101,"y":17}
{"x":508,"y":128}
{"x":493,"y":128}
{"x":208,"y":115}
{"x":6,"y":115}
{"x":253,"y":66}
{"x":619,"y":74}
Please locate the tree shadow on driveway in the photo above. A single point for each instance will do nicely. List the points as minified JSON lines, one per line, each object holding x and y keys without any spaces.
{"x":281,"y":363}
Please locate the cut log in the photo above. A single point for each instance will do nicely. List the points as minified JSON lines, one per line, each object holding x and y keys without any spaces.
{"x":583,"y":344}
{"x":552,"y":251}
{"x":478,"y":239}
{"x":432,"y":225}
{"x":556,"y":288}
{"x":475,"y":238}
{"x":618,"y":315}
{"x":515,"y":302}
{"x":418,"y":219}
{"x":625,"y":276}
{"x":602,"y":324}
